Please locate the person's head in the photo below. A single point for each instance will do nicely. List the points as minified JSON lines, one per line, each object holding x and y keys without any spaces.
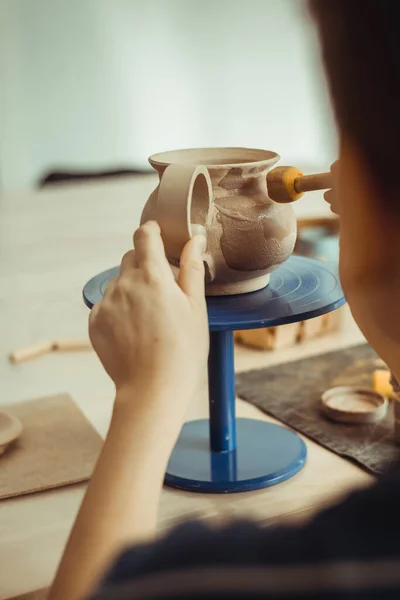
{"x":361,"y":49}
{"x":360,"y":43}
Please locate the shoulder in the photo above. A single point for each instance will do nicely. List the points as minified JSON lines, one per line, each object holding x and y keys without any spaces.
{"x":194,"y":556}
{"x":191,"y":545}
{"x":193,"y":559}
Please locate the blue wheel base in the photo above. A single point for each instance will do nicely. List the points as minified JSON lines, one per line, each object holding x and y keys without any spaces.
{"x":266,"y":454}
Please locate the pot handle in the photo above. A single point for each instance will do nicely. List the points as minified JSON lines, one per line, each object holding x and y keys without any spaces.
{"x":184,"y":199}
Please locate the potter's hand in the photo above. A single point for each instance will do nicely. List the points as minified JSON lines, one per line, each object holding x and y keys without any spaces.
{"x":330,"y":196}
{"x":150,"y":331}
{"x":151,"y":335}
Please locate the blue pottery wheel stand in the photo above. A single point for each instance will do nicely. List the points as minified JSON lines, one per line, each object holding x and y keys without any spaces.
{"x":223,"y":454}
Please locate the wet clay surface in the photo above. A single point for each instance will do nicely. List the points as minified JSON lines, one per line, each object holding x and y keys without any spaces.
{"x":250,"y":220}
{"x":268,"y":235}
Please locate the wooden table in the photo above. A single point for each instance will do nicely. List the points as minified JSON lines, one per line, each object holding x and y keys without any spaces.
{"x":51,"y":243}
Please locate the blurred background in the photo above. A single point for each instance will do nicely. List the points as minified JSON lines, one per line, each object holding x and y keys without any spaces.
{"x":102,"y":84}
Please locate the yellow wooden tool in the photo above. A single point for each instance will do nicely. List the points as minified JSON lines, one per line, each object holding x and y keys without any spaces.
{"x":287,"y":184}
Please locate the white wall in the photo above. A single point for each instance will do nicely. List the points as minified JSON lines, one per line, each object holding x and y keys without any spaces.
{"x":105,"y":83}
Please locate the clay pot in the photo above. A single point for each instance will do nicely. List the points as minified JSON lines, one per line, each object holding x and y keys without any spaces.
{"x":224,"y":190}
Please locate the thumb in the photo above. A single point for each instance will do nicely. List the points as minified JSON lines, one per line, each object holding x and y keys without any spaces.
{"x":191,"y":274}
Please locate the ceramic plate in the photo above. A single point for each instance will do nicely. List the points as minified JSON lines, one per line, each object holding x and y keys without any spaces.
{"x":10,"y":429}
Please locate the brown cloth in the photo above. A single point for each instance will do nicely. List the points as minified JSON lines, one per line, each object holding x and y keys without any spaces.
{"x":58,"y":446}
{"x":291,"y":392}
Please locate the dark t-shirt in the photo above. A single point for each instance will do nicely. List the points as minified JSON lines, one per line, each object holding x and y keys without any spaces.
{"x":349,"y":551}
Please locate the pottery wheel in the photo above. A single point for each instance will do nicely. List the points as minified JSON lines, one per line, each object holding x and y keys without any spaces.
{"x":224,"y":454}
{"x":300,"y":289}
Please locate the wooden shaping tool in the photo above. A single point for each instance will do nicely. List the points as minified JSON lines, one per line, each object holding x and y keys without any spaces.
{"x":62,"y":345}
{"x":287,"y":184}
{"x":30,"y":352}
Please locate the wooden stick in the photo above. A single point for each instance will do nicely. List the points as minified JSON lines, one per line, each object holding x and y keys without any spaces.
{"x":31,"y":352}
{"x":311,"y":183}
{"x":43,"y":348}
{"x":72,"y":345}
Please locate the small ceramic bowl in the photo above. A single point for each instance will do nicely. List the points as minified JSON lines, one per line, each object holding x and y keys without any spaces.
{"x":10,"y":430}
{"x":348,"y":404}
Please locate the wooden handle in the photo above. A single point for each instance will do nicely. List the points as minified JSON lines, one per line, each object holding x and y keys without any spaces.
{"x":311,"y":183}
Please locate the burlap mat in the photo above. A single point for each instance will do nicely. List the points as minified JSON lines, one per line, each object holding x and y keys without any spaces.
{"x":291,"y":393}
{"x":57,"y":447}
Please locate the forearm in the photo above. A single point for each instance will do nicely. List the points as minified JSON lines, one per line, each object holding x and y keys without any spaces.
{"x":121,"y":502}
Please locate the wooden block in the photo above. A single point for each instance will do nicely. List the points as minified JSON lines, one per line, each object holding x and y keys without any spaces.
{"x":312,"y":328}
{"x":272,"y":338}
{"x":285,"y":336}
{"x":381,"y":382}
{"x":333,"y":320}
{"x":255,"y":338}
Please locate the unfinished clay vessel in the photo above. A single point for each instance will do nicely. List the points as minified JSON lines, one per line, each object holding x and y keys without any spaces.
{"x":225,"y":190}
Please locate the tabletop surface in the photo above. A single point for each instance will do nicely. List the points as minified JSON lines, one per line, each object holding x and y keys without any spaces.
{"x":51,"y":243}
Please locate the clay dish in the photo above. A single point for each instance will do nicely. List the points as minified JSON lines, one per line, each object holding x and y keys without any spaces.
{"x":10,"y":430}
{"x":348,"y":404}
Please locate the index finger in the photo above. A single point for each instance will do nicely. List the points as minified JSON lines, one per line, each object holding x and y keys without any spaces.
{"x":128,"y":261}
{"x":192,"y":272}
{"x":149,"y":247}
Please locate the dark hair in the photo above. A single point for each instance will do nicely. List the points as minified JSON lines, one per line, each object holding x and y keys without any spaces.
{"x":360,"y":42}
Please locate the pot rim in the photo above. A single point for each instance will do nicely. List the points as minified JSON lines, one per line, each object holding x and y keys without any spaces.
{"x":256,"y":157}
